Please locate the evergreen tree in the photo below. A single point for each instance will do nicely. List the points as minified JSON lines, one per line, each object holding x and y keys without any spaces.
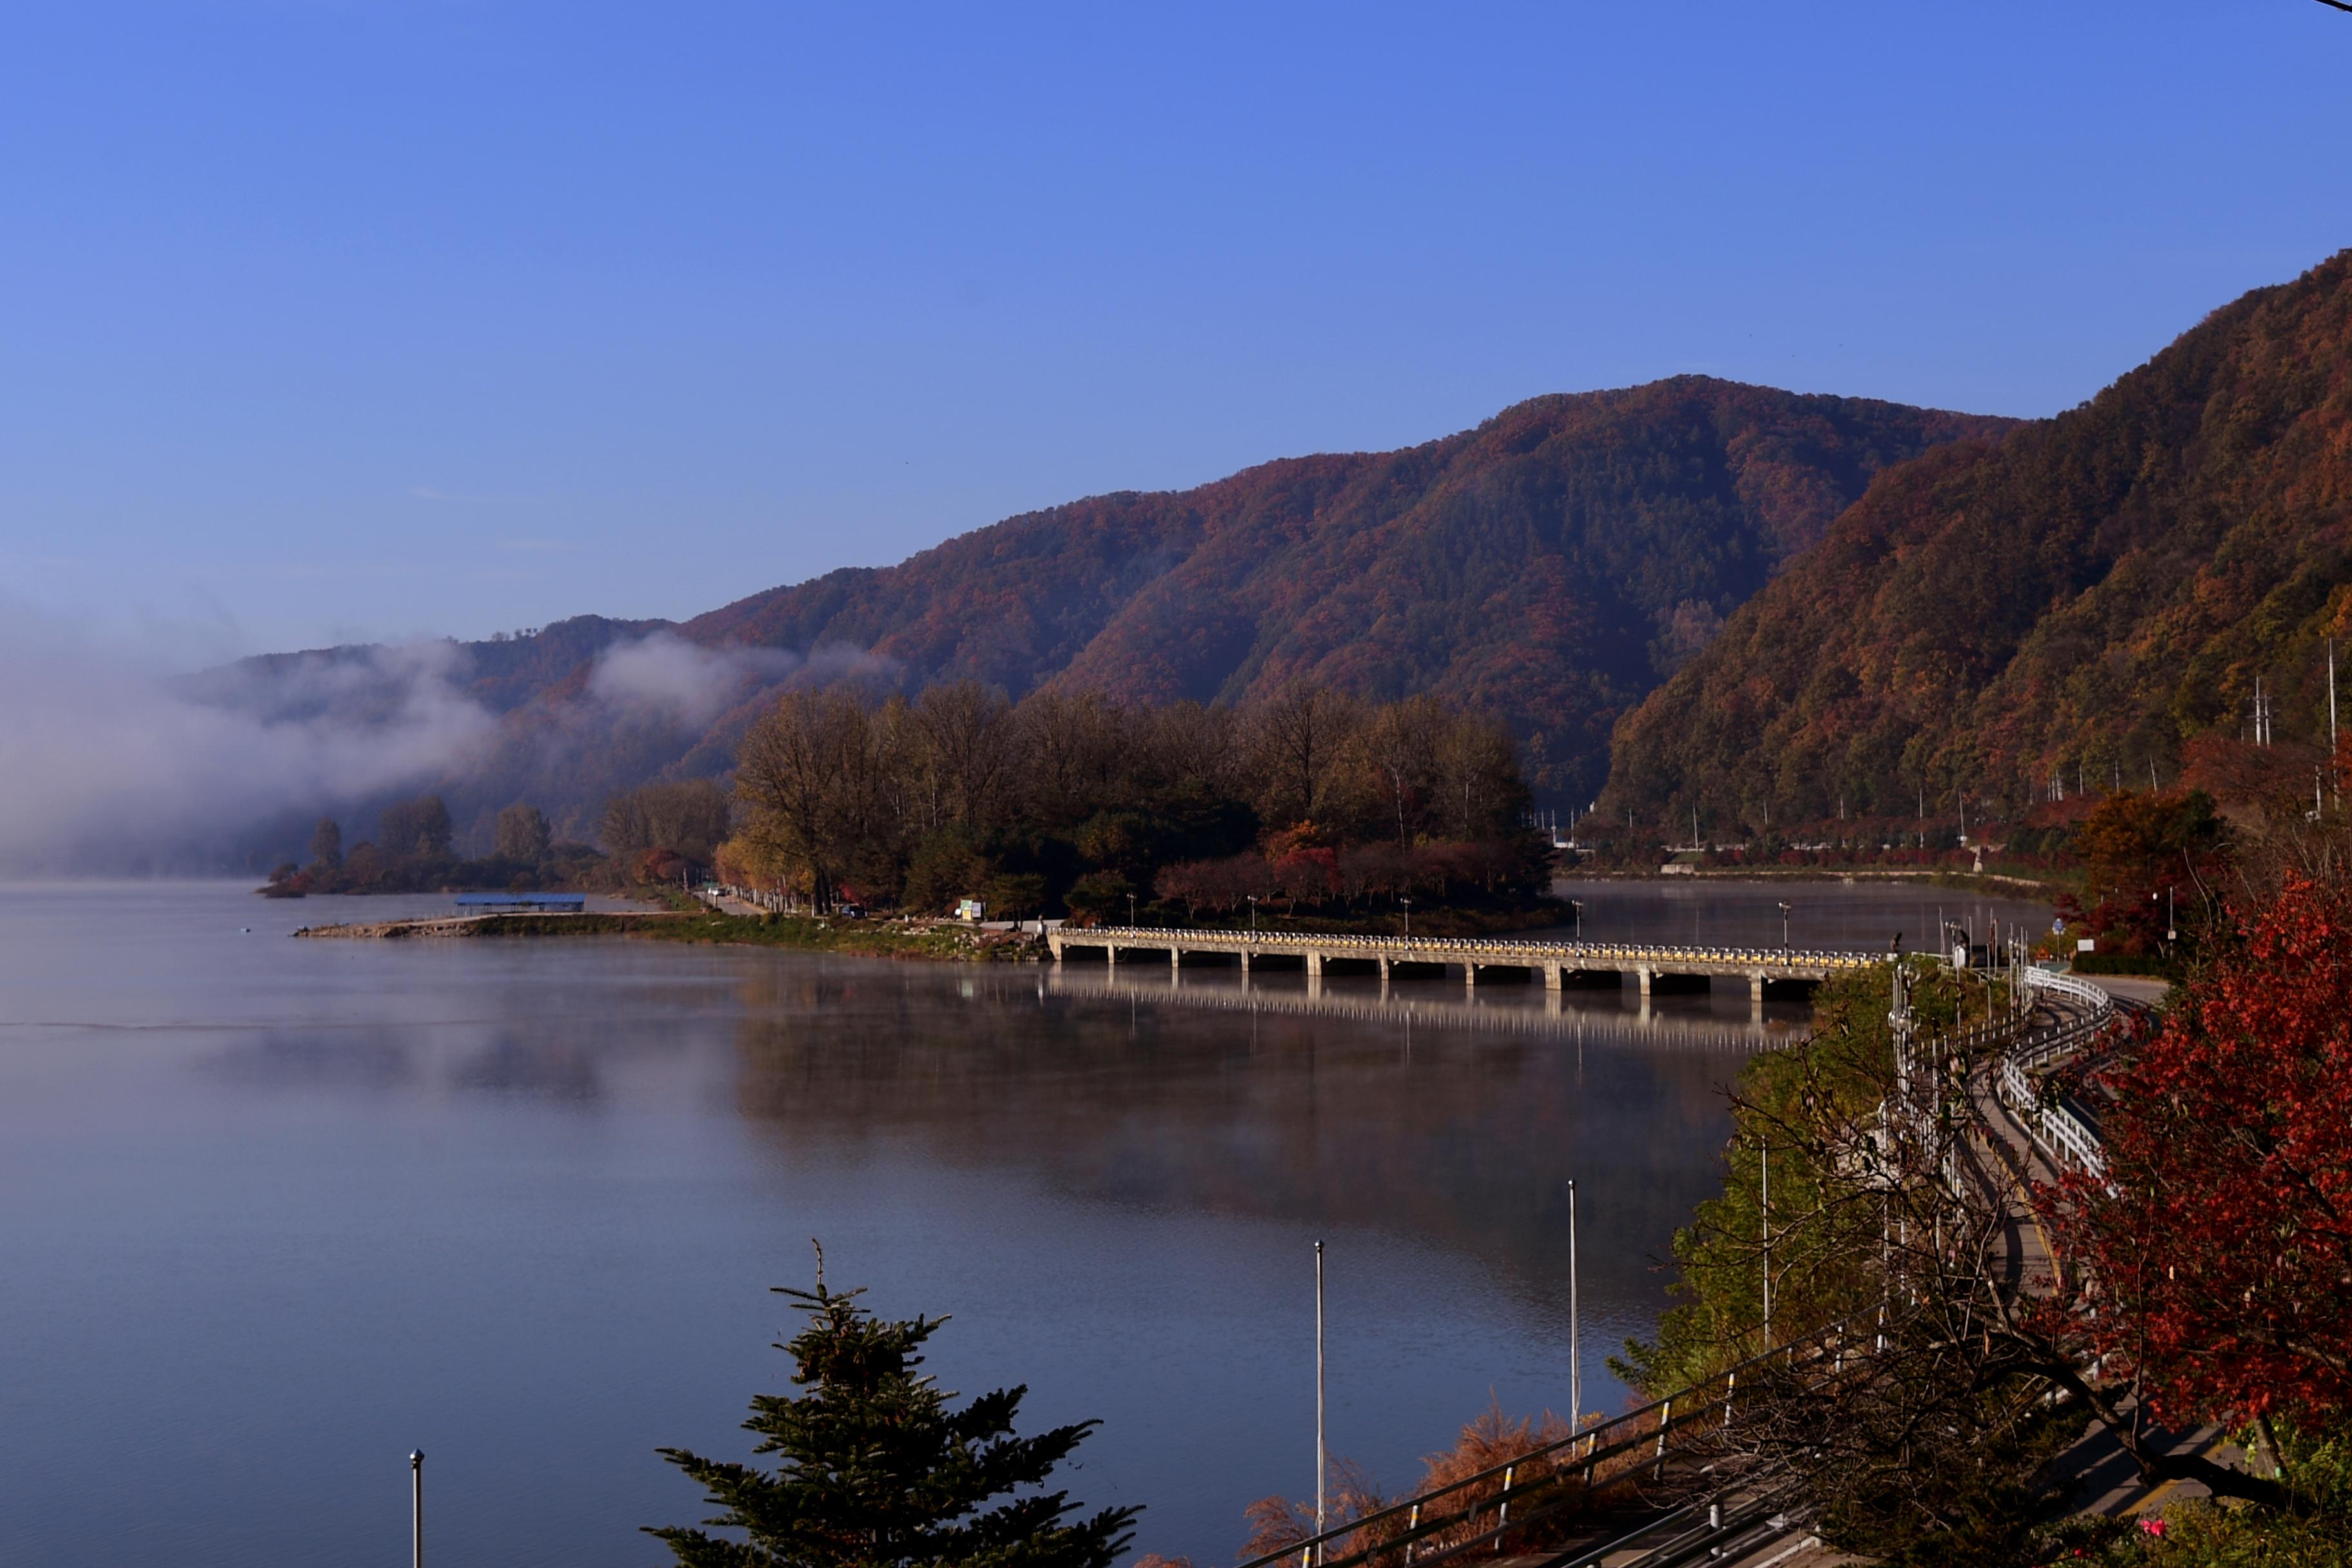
{"x":878,"y":1472}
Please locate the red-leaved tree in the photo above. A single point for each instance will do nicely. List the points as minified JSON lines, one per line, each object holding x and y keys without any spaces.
{"x":2217,"y":1250}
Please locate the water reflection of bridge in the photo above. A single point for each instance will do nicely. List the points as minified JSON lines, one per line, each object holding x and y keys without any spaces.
{"x":1552,"y":1017}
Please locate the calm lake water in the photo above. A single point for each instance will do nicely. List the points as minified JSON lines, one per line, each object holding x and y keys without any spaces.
{"x":277,"y":1211}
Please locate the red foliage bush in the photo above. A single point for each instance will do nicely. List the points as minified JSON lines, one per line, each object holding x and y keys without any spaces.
{"x":2219,"y":1246}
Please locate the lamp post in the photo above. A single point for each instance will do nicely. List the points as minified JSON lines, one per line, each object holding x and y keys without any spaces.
{"x":1252,"y":904}
{"x":1575,"y":1344}
{"x":1321,"y":1464}
{"x":1784,"y":925}
{"x":417,"y":1509}
{"x":1577,"y":905}
{"x":1407,"y":917}
{"x":1131,"y":909}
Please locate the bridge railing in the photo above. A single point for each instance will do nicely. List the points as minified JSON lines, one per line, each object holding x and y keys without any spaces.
{"x":1193,"y":936}
{"x":1474,"y":1514}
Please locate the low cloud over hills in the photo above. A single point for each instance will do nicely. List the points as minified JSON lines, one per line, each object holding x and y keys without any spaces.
{"x":1551,"y":566}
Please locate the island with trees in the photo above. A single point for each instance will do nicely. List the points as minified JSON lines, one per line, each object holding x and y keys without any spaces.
{"x":1312,"y":809}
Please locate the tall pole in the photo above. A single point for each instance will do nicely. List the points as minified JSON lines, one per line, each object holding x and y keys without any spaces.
{"x":1575,"y":1340}
{"x":1320,"y":1466}
{"x":2333,"y":784}
{"x":1767,"y":1243}
{"x":417,"y":1509}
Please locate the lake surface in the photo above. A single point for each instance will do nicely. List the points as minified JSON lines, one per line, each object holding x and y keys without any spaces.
{"x":277,"y":1211}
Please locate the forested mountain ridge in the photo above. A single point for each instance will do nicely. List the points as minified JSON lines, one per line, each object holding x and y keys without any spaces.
{"x":1546,"y":567}
{"x":2079,"y":603}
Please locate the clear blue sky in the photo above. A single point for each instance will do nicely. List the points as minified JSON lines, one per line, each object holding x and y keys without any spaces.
{"x":332,"y":319}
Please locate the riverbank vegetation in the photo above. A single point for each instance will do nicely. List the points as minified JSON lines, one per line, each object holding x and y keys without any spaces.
{"x":2200,"y":1280}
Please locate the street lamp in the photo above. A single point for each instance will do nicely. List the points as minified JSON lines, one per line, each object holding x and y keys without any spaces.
{"x":1131,"y":909}
{"x":1407,"y":917}
{"x":1577,"y":905}
{"x":1252,"y":904}
{"x":1784,"y":925}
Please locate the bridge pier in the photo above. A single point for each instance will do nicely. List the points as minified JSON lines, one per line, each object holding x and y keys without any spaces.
{"x":1245,"y":958}
{"x":1384,"y":973}
{"x":1552,"y":981}
{"x":1314,"y":967}
{"x":1469,"y":976}
{"x":1175,"y":957}
{"x":1110,"y":955}
{"x":1645,"y":974}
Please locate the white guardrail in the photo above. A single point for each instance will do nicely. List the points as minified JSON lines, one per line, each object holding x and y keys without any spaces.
{"x":1206,"y":937}
{"x":2059,"y":1131}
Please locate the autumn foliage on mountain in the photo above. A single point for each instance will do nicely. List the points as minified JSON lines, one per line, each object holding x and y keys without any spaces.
{"x":2072,"y":606}
{"x":1546,"y":569}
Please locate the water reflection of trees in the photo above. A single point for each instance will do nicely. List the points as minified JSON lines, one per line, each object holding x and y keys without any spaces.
{"x":1455,"y":1136}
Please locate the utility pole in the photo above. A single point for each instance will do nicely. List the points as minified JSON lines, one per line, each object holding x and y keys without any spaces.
{"x":1766,"y":1209}
{"x":417,"y":1509}
{"x":1321,"y":1451}
{"x":1575,"y":1341}
{"x":2333,"y":785}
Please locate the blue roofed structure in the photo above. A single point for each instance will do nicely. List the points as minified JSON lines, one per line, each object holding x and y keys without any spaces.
{"x":534,"y":903}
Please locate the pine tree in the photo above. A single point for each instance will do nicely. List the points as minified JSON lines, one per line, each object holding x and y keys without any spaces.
{"x":878,"y":1472}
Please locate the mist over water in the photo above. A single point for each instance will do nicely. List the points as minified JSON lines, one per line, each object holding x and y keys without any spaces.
{"x":116,"y":763}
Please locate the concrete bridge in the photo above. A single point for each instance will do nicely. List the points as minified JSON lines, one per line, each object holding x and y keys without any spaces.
{"x":1649,"y":963}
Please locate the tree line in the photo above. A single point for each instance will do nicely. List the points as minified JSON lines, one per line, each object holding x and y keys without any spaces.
{"x":1084,"y":804}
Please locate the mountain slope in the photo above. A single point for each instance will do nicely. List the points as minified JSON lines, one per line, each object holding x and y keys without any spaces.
{"x":2076,"y":601}
{"x":1548,"y":566}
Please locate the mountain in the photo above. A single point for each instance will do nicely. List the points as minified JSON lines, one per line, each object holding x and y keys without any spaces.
{"x":2078,"y":602}
{"x":1550,"y":566}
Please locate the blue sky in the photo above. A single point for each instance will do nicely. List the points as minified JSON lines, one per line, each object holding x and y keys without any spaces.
{"x":332,"y":320}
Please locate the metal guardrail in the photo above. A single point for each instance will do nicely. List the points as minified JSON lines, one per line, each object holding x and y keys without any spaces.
{"x":1407,"y":1534}
{"x":2063,"y":1135}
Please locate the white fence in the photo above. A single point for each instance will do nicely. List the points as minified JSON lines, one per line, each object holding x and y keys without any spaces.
{"x":2062,"y":1135}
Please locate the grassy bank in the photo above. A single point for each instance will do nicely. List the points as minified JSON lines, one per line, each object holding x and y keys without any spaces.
{"x":859,"y":939}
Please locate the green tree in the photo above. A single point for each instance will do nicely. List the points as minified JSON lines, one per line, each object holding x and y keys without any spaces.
{"x":417,"y":828}
{"x":878,"y":1472}
{"x":522,"y":834}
